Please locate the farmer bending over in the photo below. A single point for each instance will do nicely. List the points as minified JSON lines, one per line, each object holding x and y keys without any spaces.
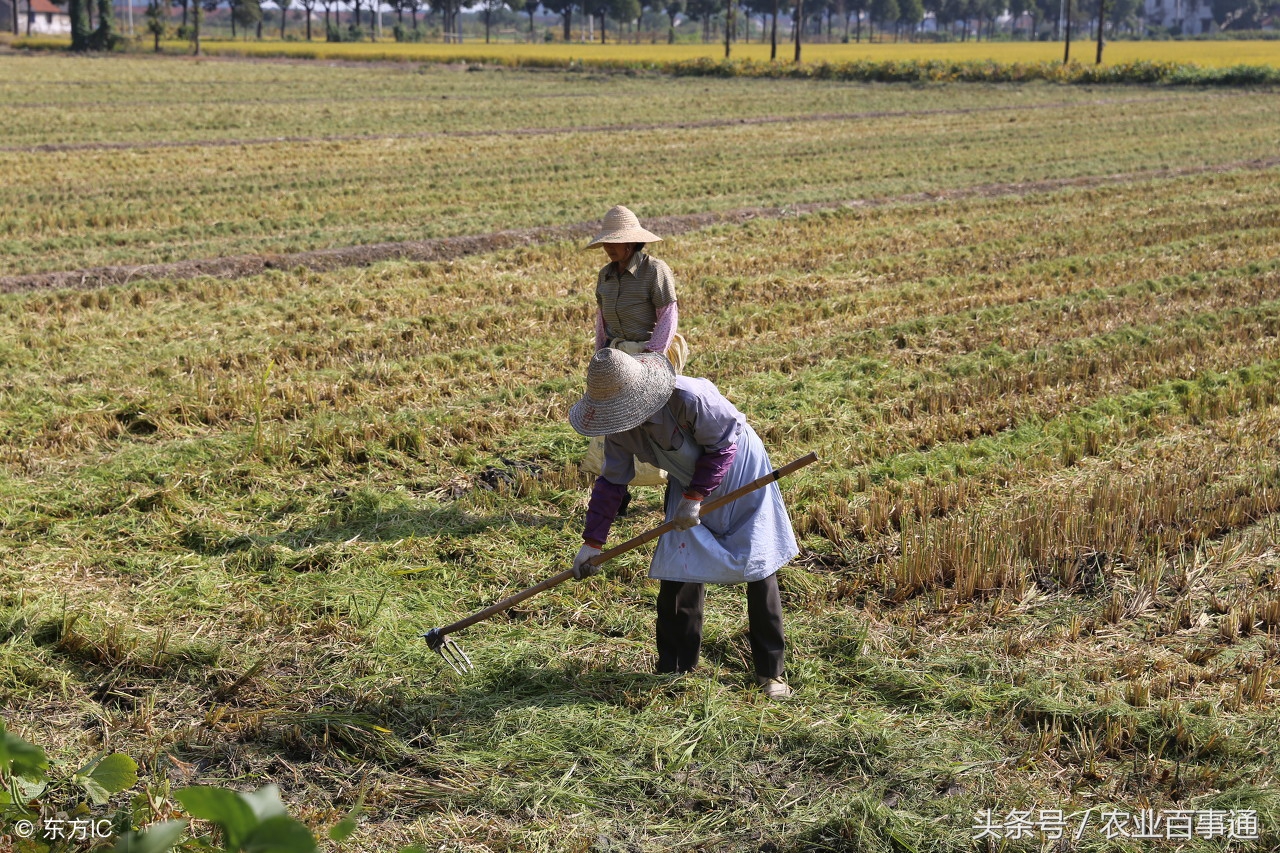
{"x":686,"y":427}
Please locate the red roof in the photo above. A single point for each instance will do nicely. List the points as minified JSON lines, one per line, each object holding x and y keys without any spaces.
{"x":44,"y":7}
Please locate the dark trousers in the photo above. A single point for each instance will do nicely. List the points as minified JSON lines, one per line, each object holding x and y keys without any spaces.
{"x":680,"y":625}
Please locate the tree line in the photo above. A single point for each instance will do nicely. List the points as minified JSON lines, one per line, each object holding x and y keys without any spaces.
{"x":832,"y":20}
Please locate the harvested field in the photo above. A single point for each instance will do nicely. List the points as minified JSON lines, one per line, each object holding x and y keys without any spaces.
{"x":1040,"y":567}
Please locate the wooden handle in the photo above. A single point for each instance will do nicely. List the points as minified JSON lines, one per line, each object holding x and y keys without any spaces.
{"x":630,"y":544}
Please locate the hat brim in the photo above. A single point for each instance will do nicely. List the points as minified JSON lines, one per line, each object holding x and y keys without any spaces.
{"x":625,"y":235}
{"x":630,"y":408}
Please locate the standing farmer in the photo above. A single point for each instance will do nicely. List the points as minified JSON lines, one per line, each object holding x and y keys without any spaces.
{"x":686,"y":427}
{"x":635,"y":292}
{"x":636,"y":310}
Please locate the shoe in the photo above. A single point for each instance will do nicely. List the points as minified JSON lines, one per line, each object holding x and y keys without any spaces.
{"x":774,"y":688}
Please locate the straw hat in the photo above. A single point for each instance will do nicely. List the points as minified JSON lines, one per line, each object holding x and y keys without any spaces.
{"x":622,"y":391}
{"x":621,"y":226}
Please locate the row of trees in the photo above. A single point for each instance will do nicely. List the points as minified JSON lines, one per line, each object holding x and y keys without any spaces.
{"x":851,"y":20}
{"x":837,"y":19}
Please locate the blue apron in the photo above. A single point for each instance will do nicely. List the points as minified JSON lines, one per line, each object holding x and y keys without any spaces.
{"x":746,"y":540}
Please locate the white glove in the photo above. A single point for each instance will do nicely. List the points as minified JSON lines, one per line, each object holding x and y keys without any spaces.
{"x":581,"y":568}
{"x":687,"y":514}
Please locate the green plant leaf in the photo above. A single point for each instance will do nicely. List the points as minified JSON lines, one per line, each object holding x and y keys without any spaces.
{"x":224,"y":807}
{"x":21,"y":758}
{"x":30,"y":789}
{"x":106,"y":776}
{"x":265,"y":802}
{"x":342,"y":830}
{"x":280,"y":834}
{"x":159,"y":838}
{"x":117,"y":772}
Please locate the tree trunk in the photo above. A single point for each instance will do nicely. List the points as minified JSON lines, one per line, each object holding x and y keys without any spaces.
{"x":1066,"y":50}
{"x":486,"y":22}
{"x":1102,"y":16}
{"x":568,"y":18}
{"x":604,"y":22}
{"x":197,"y":15}
{"x":728,"y":25}
{"x":284,"y":17}
{"x":799,"y":28}
{"x":80,"y":29}
{"x":858,"y":28}
{"x":308,"y":23}
{"x":773,"y":36}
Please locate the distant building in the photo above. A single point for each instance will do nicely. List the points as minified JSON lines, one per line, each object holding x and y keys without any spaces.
{"x":1181,"y":17}
{"x":35,"y":18}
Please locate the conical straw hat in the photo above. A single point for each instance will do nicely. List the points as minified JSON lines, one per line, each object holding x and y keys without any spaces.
{"x":622,"y":391}
{"x":622,"y":226}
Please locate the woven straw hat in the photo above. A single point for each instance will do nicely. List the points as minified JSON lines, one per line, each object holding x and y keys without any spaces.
{"x":622,"y":226}
{"x":622,"y":391}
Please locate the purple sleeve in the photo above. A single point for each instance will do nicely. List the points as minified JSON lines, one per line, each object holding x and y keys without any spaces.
{"x":664,"y":329}
{"x":601,"y":339}
{"x":710,"y":469}
{"x":606,"y":497}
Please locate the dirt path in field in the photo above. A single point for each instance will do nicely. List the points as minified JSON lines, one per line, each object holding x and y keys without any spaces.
{"x":46,"y":148}
{"x":448,"y":248}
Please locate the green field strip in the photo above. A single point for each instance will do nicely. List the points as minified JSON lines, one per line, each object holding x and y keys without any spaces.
{"x":414,"y":99}
{"x":482,"y":283}
{"x":1038,"y":445}
{"x":299,"y":371}
{"x":736,"y":119}
{"x":475,"y":169}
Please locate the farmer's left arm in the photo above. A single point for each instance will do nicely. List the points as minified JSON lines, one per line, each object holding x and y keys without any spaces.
{"x":715,"y":424}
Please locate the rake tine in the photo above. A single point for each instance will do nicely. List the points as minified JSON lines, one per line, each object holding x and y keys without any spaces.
{"x":449,"y":650}
{"x":456,"y":657}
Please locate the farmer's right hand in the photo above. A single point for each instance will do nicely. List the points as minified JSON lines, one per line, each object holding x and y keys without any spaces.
{"x":687,"y":513}
{"x":581,"y":568}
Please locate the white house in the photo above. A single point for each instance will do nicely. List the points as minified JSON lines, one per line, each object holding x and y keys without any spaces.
{"x":1186,"y":17}
{"x":35,"y":18}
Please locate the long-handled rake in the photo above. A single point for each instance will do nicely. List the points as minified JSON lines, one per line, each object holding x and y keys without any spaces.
{"x":438,"y":638}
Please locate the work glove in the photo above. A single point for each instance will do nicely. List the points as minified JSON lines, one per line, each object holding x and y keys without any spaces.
{"x":581,"y":568}
{"x":687,"y":514}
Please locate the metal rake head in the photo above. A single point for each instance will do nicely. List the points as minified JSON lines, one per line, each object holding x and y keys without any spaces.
{"x":449,"y":650}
